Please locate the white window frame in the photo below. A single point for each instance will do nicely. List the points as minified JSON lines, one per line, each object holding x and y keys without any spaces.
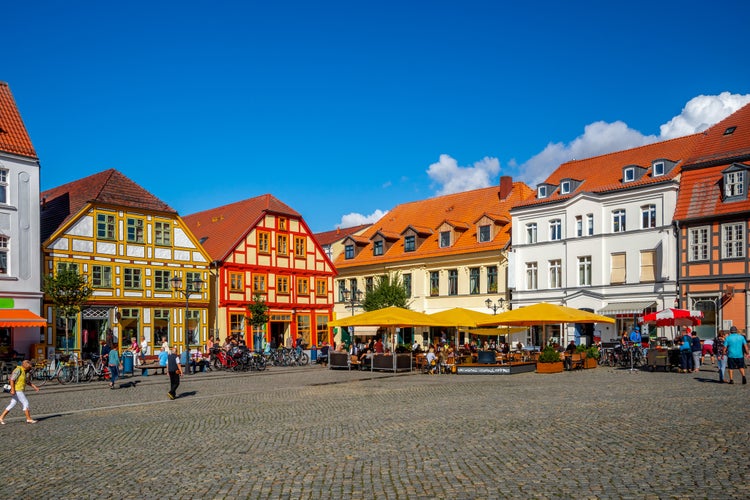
{"x":618,"y":220}
{"x":5,"y":252}
{"x":648,"y":216}
{"x":584,"y":270}
{"x":734,"y":184}
{"x":531,"y":233}
{"x":590,"y":224}
{"x":4,"y":189}
{"x":698,"y":243}
{"x":541,"y":192}
{"x":555,"y":230}
{"x":579,"y":226}
{"x":658,"y":169}
{"x":532,"y":276}
{"x":628,"y":175}
{"x":565,"y":187}
{"x":555,"y":273}
{"x":733,"y":240}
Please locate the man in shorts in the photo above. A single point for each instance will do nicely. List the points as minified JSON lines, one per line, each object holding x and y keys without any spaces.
{"x":736,"y":346}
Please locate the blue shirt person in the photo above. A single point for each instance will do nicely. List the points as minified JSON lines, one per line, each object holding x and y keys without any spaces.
{"x":163,"y":355}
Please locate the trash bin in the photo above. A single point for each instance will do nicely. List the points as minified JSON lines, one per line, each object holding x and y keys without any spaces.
{"x":127,"y":362}
{"x":313,"y":354}
{"x":184,"y":360}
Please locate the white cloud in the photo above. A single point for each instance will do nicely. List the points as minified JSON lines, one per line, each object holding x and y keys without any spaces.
{"x":455,"y":179}
{"x":601,"y":137}
{"x":355,"y":219}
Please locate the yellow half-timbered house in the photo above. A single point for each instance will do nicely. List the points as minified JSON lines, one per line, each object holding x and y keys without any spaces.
{"x":129,"y":244}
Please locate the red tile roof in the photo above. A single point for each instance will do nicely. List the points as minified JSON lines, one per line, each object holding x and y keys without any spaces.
{"x":330,"y":237}
{"x":220,"y":229}
{"x":13,"y":135}
{"x":459,"y":209}
{"x":701,"y":183}
{"x":604,"y":173}
{"x":108,"y":188}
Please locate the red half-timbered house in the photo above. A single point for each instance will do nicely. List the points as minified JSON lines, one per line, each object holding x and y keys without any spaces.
{"x":262,"y":246}
{"x":713,"y":220}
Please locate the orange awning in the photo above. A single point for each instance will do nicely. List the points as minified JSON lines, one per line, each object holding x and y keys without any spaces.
{"x":20,"y":317}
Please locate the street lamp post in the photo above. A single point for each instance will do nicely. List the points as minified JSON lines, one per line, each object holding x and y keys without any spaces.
{"x":352,"y":301}
{"x":191,"y":286}
{"x":493,"y":306}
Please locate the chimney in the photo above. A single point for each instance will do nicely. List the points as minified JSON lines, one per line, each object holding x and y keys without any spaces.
{"x":506,"y":186}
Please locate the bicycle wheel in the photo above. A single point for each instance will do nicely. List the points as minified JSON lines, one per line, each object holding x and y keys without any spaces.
{"x":304,"y":359}
{"x":39,"y":376}
{"x":260,"y":363}
{"x":63,"y":374}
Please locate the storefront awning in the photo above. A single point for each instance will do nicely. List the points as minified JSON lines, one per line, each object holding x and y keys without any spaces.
{"x":364,"y":331}
{"x":20,"y":318}
{"x":614,"y":308}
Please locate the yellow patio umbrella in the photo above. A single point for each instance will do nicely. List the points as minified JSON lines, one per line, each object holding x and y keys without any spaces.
{"x":459,"y":316}
{"x":545,"y":313}
{"x":388,"y":316}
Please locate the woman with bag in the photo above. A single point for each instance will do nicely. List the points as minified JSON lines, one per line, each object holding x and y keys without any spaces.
{"x":114,"y":366}
{"x":17,"y":388}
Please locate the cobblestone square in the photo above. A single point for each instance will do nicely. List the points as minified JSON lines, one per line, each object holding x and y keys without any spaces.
{"x":316,"y":433}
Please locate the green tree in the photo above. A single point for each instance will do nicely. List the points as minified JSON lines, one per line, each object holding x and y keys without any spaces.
{"x":257,"y":318}
{"x":389,"y":291}
{"x":68,"y":291}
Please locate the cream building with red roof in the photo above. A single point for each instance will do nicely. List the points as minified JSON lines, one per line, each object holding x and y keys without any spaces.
{"x":450,"y":251}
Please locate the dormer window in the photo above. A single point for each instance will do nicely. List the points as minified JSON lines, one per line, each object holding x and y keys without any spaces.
{"x":445,"y":239}
{"x":377,"y":247}
{"x":565,"y":187}
{"x":734,"y":184}
{"x":541,"y":191}
{"x":628,"y":175}
{"x":410,"y":243}
{"x":484,"y":233}
{"x":349,"y":252}
{"x":658,"y":169}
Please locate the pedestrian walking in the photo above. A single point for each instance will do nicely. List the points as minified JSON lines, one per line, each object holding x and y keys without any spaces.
{"x":114,"y":366}
{"x":175,"y":370}
{"x":686,"y":353}
{"x":736,"y":345}
{"x":17,"y":384}
{"x":721,"y":355}
{"x":697,"y":349}
{"x":145,"y":349}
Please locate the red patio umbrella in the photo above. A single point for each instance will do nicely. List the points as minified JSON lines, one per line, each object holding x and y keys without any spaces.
{"x":673,"y":317}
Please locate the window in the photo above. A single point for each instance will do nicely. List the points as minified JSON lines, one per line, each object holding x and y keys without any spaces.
{"x":349,"y":251}
{"x":531,"y":276}
{"x":618,"y":221}
{"x":698,"y":244}
{"x":353,"y":287}
{"x":628,"y":175}
{"x":618,"y":271}
{"x":4,"y":254}
{"x":445,"y":239}
{"x":409,"y":243}
{"x":281,"y":244}
{"x":648,"y":216}
{"x":658,"y":170}
{"x":161,"y":279}
{"x":264,"y":242}
{"x":163,"y":233}
{"x":342,"y":287}
{"x":584,"y":271}
{"x":492,"y":279}
{"x":132,"y":277}
{"x":484,"y":233}
{"x":648,"y":266}
{"x":321,"y":327}
{"x":369,"y":284}
{"x":321,"y":287}
{"x":541,"y":191}
{"x":407,"y":284}
{"x":237,"y":325}
{"x":193,"y":322}
{"x":579,"y":226}
{"x":135,"y":230}
{"x":299,"y":246}
{"x":531,"y":233}
{"x":590,"y":224}
{"x":377,"y":247}
{"x":303,"y":286}
{"x":555,"y":230}
{"x":282,"y":223}
{"x":236,"y":282}
{"x":734,"y":184}
{"x":555,"y":273}
{"x":303,"y":328}
{"x":474,"y":281}
{"x":105,"y":226}
{"x":453,"y":282}
{"x":434,"y":283}
{"x":67,"y":266}
{"x":732,"y":240}
{"x":3,"y":186}
{"x":190,"y":281}
{"x":565,"y":187}
{"x":259,"y":283}
{"x":282,"y":285}
{"x":130,"y":323}
{"x":161,"y":326}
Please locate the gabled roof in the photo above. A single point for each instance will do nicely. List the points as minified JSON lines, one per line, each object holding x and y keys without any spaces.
{"x":700,"y":193}
{"x":459,"y":209}
{"x":387,"y":235}
{"x":110,"y":188}
{"x":604,"y":173}
{"x":330,"y":237}
{"x":13,"y":135}
{"x":220,"y":229}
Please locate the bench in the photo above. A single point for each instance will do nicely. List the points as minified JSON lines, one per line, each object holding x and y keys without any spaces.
{"x":151,"y":366}
{"x":338,"y":360}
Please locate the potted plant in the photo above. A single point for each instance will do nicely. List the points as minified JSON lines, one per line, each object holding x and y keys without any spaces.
{"x":549,"y":361}
{"x":581,"y":349}
{"x":592,"y":357}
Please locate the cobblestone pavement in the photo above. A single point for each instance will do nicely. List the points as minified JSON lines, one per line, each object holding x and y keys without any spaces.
{"x":315,"y":433}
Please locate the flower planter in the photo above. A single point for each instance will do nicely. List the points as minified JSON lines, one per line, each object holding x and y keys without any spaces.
{"x":554,"y":367}
{"x":590,"y":363}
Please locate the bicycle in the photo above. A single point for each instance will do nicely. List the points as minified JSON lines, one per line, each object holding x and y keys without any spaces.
{"x":40,"y":375}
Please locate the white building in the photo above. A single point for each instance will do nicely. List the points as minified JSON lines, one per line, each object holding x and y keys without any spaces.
{"x":20,"y":295}
{"x":599,"y":236}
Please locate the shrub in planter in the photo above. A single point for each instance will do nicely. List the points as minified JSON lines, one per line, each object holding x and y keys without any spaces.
{"x":549,"y":361}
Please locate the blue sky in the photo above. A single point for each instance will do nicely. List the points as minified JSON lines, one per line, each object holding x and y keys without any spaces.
{"x":344,"y":109}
